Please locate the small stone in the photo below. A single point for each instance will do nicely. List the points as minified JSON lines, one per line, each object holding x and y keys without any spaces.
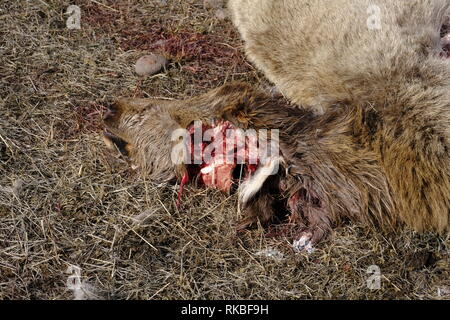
{"x":150,"y":64}
{"x":213,"y":4}
{"x":221,"y":14}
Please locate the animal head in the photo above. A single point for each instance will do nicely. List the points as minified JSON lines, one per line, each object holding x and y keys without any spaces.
{"x":141,"y":130}
{"x":145,"y":130}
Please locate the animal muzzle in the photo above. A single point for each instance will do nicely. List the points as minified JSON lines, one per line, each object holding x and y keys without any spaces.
{"x":111,"y":112}
{"x":114,"y":142}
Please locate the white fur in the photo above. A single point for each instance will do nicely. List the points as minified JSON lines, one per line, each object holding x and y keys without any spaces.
{"x":250,"y":187}
{"x":303,"y":244}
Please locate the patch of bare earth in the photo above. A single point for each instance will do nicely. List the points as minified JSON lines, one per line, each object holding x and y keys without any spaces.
{"x":65,"y":201}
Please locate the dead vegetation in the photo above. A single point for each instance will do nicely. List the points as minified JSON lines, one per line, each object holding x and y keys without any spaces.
{"x":65,"y":200}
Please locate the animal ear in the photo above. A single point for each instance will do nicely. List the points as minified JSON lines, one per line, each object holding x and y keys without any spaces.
{"x":115,"y":143}
{"x":139,"y":104}
{"x":240,"y":109}
{"x":236,"y":115}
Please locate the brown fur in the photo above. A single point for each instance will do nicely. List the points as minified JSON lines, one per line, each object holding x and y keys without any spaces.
{"x":339,"y":162}
{"x":321,"y":52}
{"x":371,"y":142}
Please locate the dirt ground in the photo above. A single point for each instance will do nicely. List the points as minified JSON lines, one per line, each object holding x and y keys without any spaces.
{"x":69,"y":207}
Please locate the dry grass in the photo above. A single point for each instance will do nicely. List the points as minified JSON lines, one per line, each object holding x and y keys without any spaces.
{"x":65,"y":201}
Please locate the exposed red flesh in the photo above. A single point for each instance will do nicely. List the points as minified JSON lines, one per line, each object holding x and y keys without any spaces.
{"x":292,"y":202}
{"x":216,"y":174}
{"x":183,"y":182}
